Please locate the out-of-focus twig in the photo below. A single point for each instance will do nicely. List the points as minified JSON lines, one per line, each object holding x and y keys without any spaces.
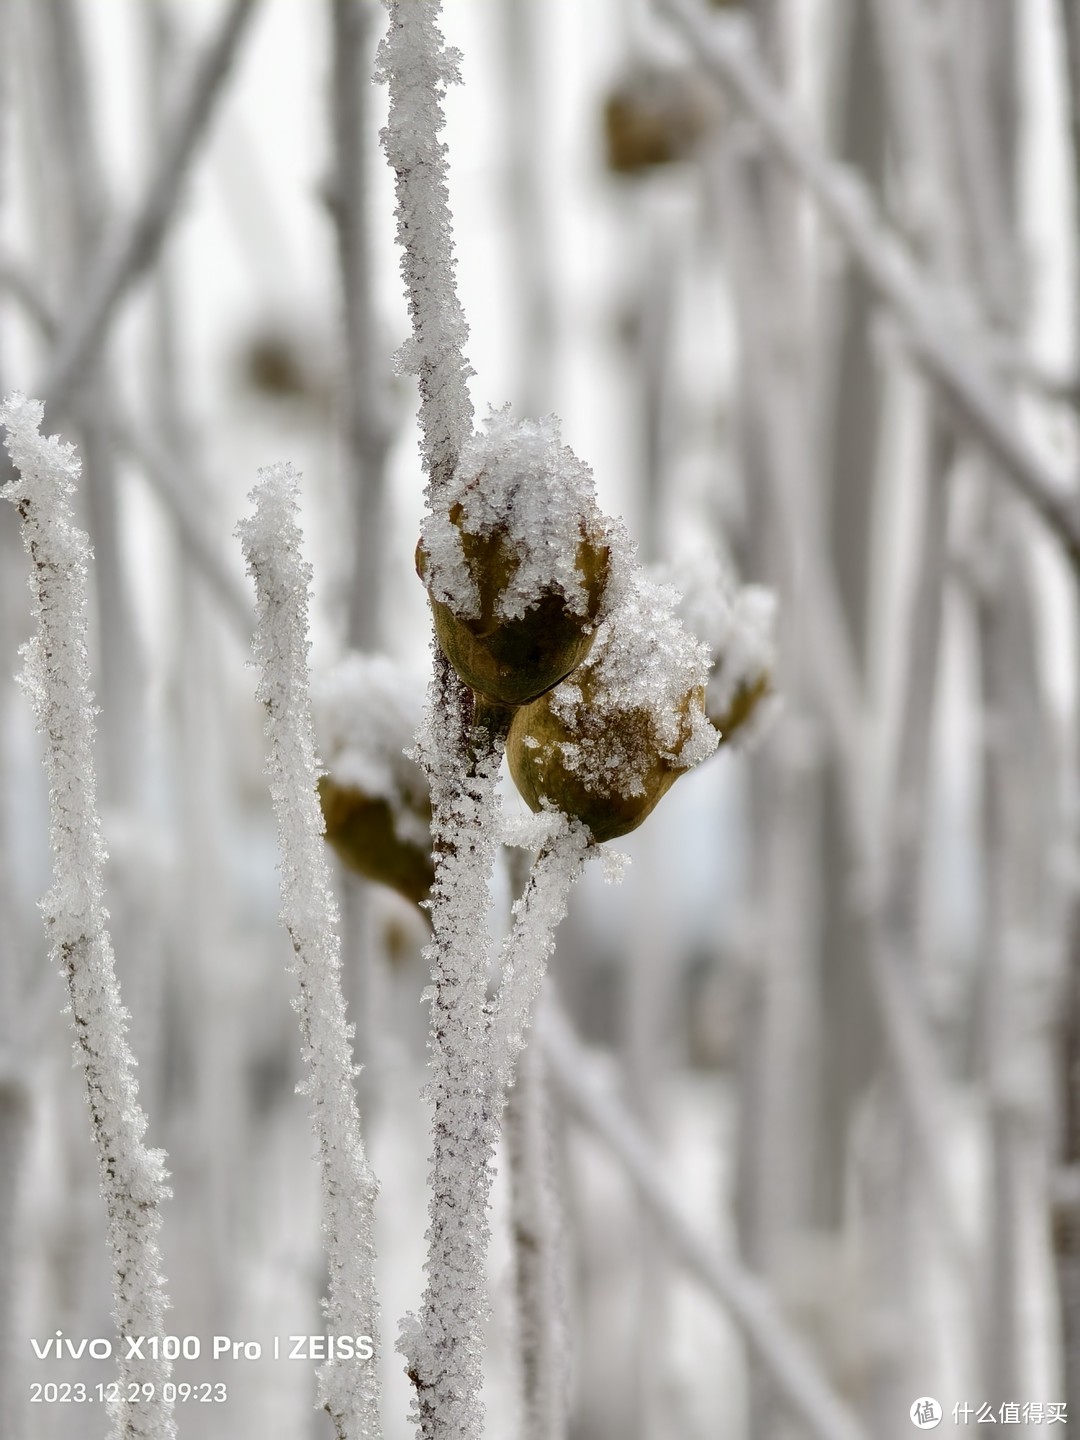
{"x":729,"y":57}
{"x":574,"y":1073}
{"x":163,"y":472}
{"x":133,"y":247}
{"x":368,"y":432}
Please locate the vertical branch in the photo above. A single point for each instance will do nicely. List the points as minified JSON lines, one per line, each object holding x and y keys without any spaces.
{"x":367,"y":435}
{"x":444,"y":1345}
{"x":1067,"y":1215}
{"x":367,"y":431}
{"x":418,"y":67}
{"x":537,"y":1251}
{"x":57,"y":680}
{"x":348,"y":1390}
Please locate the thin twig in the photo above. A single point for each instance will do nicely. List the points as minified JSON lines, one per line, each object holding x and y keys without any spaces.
{"x":164,"y":473}
{"x":368,"y":431}
{"x":745,"y":1299}
{"x":130,"y":252}
{"x":418,"y":67}
{"x":348,"y":1386}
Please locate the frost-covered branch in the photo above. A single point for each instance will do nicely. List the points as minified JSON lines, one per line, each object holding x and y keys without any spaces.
{"x":348,"y":1389}
{"x":729,"y":57}
{"x":531,"y":942}
{"x":132,"y":250}
{"x":443,"y":1347}
{"x":748,"y":1302}
{"x":418,"y":67}
{"x":57,"y":680}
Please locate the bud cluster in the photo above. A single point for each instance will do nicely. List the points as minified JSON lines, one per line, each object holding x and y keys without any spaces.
{"x":541,"y":609}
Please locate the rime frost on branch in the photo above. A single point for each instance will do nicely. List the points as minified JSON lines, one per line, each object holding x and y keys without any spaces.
{"x":521,"y":569}
{"x":57,"y":680}
{"x":531,"y":942}
{"x":418,"y":67}
{"x":348,"y":1390}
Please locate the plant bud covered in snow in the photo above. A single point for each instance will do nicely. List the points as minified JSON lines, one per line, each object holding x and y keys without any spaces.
{"x":517,"y":563}
{"x":607,"y":744}
{"x":375,"y":799}
{"x":737,"y":626}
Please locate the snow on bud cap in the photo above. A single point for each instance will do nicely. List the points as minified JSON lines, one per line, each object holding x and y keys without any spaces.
{"x":517,"y":561}
{"x":738,"y":627}
{"x":607,"y":744}
{"x":375,"y":799}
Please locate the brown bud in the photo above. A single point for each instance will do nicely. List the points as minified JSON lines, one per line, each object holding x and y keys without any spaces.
{"x":732,"y":721}
{"x":654,"y":116}
{"x":362,"y":830}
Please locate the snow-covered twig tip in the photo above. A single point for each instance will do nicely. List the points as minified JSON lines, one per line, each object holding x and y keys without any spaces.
{"x":348,"y":1389}
{"x":418,"y":67}
{"x":57,"y":680}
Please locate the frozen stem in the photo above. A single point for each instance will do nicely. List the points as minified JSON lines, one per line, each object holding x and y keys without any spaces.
{"x":418,"y":67}
{"x":57,"y":680}
{"x":348,"y":1389}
